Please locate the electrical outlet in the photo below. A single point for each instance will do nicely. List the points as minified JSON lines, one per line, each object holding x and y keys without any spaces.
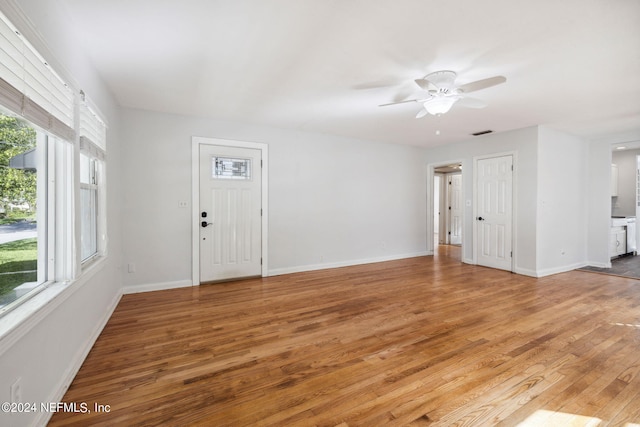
{"x":15,"y":393}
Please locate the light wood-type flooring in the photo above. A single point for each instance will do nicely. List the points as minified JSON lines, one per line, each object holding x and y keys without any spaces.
{"x":420,"y":342}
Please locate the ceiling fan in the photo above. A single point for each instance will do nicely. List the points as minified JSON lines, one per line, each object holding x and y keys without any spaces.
{"x":442,"y":93}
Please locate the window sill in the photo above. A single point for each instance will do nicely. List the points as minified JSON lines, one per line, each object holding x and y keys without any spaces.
{"x":18,"y":322}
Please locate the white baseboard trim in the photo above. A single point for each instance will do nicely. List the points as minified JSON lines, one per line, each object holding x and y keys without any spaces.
{"x":314,"y":267}
{"x":598,"y":264}
{"x":468,"y":261}
{"x":561,"y":269}
{"x":76,"y":363}
{"x":550,"y":271}
{"x":150,"y":287}
{"x":525,"y":272}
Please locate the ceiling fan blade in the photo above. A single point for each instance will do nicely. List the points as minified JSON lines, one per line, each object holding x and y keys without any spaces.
{"x":403,"y":102}
{"x":424,"y":84}
{"x":471,"y":103}
{"x":421,"y":113}
{"x":482,"y":84}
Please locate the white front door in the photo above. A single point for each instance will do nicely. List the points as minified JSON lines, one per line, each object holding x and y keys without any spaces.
{"x":455,"y":209}
{"x":494,"y":182}
{"x":230,"y":212}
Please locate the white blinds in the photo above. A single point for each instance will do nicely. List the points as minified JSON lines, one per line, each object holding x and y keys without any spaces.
{"x":93,"y":131}
{"x":29,"y":87}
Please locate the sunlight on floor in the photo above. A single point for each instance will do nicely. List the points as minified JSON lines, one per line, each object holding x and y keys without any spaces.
{"x":542,"y":418}
{"x":627,"y":324}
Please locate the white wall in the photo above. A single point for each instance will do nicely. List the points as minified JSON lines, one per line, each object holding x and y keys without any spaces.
{"x":48,"y":349}
{"x":332,"y":201}
{"x":562,"y":202}
{"x":523,"y":144}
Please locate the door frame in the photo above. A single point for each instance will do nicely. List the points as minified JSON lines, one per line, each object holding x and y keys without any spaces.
{"x":430,"y":204}
{"x":196,"y":142}
{"x":514,"y":204}
{"x":448,"y":199}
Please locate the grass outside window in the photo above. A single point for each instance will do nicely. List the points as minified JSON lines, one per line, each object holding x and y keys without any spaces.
{"x":18,"y":264}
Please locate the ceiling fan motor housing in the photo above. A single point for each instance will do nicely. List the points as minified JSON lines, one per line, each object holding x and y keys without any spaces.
{"x":444,"y":80}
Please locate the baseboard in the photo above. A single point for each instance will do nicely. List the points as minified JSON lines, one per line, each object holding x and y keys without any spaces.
{"x":76,"y":363}
{"x":558,"y":270}
{"x":323,"y":266}
{"x":550,"y":271}
{"x":150,"y":287}
{"x":598,"y":264}
{"x":526,"y":272}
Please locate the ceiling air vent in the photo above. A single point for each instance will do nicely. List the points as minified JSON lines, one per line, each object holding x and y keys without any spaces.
{"x":482,"y":132}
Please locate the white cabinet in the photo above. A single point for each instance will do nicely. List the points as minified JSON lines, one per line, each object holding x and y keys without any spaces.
{"x":618,"y":241}
{"x":614,"y":180}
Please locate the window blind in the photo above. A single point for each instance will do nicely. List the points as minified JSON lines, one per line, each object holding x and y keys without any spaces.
{"x":93,"y":132}
{"x":30,"y":87}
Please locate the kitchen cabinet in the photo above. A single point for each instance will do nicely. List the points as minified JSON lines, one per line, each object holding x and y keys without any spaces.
{"x":614,"y":180}
{"x":618,"y":241}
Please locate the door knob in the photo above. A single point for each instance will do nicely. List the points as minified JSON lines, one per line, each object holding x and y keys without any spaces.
{"x":480,"y":218}
{"x":205,"y":224}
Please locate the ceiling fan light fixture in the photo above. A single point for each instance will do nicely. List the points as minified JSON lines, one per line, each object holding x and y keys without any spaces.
{"x":439,"y":105}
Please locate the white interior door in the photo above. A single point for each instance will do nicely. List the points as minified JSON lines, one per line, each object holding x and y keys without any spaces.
{"x":455,"y":209}
{"x":230,"y":212}
{"x":494,"y":195}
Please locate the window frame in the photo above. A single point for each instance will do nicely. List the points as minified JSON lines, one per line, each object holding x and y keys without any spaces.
{"x":96,"y":171}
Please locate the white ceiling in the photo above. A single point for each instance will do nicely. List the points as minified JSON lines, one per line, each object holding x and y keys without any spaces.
{"x":325,"y":65}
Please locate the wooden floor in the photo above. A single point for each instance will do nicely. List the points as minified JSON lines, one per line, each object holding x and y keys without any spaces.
{"x":421,"y":341}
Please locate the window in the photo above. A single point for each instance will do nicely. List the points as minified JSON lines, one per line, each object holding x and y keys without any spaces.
{"x":23,"y":237}
{"x":42,"y":193}
{"x":226,"y":168}
{"x":92,"y":190}
{"x":88,"y":207}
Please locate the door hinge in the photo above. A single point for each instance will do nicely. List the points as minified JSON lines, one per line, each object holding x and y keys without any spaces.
{"x":260,"y":212}
{"x":511,"y":168}
{"x":511,"y":254}
{"x":260,"y":261}
{"x":260,"y":162}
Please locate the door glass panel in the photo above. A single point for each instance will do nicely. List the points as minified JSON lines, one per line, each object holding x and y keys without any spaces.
{"x":228,"y":168}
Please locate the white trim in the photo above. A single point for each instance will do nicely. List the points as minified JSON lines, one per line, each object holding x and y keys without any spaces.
{"x":196,"y":141}
{"x":74,"y":365}
{"x":598,"y":264}
{"x":525,"y":272}
{"x":551,"y":271}
{"x":561,"y":269}
{"x":324,"y":266}
{"x":514,"y":227}
{"x":150,"y":287}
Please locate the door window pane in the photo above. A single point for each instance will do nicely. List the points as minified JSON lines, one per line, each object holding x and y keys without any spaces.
{"x":227,"y":168}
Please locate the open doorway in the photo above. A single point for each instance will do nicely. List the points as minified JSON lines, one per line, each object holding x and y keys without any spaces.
{"x":624,"y":233}
{"x":448,"y":204}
